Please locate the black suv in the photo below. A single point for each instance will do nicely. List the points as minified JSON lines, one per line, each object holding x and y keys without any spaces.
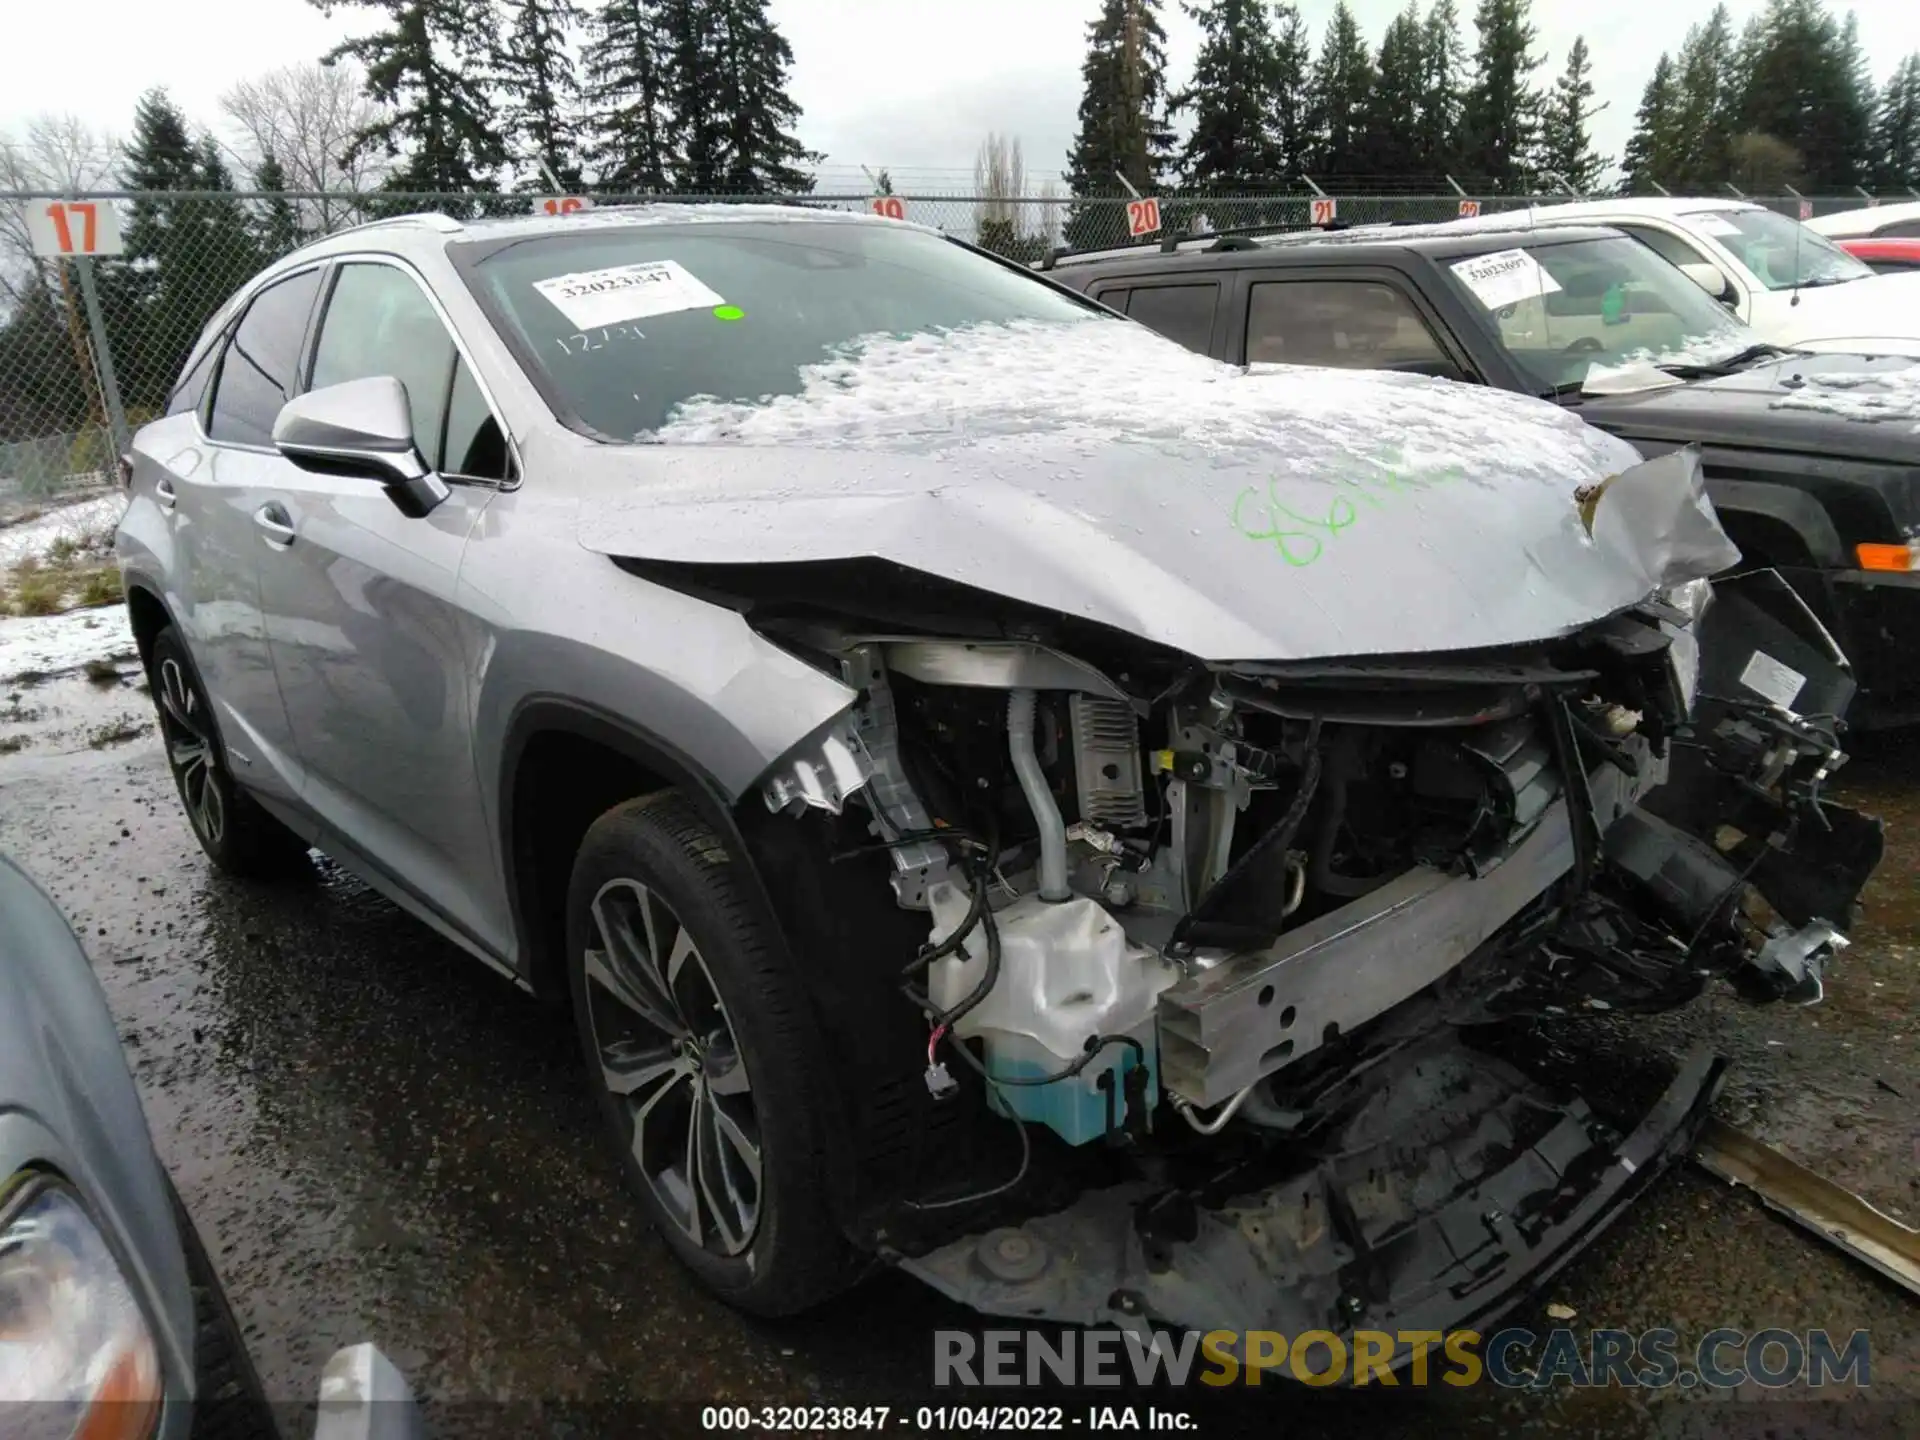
{"x":1813,"y":460}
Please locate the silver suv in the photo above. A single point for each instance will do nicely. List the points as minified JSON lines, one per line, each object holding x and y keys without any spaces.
{"x":997,"y":791}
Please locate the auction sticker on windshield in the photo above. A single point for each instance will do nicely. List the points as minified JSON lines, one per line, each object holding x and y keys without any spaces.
{"x":1504,"y":278}
{"x":592,"y":298}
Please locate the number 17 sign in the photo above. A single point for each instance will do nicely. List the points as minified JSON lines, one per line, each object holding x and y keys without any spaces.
{"x":74,"y":227}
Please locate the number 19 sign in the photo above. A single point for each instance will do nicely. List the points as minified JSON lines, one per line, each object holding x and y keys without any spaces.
{"x":74,"y":228}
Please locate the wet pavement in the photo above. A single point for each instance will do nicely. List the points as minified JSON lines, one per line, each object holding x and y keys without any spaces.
{"x":380,"y":1138}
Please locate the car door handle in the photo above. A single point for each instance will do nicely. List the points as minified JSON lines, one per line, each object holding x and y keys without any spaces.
{"x":163,"y":492}
{"x":275,"y":524}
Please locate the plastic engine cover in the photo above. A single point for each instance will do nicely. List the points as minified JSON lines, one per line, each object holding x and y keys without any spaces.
{"x":1067,"y":972}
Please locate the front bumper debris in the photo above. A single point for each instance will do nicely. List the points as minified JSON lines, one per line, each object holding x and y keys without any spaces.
{"x":1453,"y":1186}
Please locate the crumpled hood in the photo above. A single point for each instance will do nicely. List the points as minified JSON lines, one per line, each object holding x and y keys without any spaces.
{"x":1099,"y":470}
{"x":1879,"y":314}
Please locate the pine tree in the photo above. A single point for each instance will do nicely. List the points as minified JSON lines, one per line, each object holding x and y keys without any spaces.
{"x":1654,"y":149}
{"x":1565,"y":147}
{"x":276,"y":222}
{"x":1392,"y":144}
{"x":1123,"y":129}
{"x":428,"y":70}
{"x":1233,"y":97}
{"x":1342,"y":82}
{"x":1802,"y":88}
{"x":535,"y":70}
{"x":883,"y":182}
{"x":728,"y":101}
{"x":1444,"y":58}
{"x":1704,"y":104}
{"x":1858,"y":100}
{"x":1293,"y":70}
{"x":183,"y":257}
{"x":629,"y":79}
{"x":1896,"y":133}
{"x":1500,"y":115}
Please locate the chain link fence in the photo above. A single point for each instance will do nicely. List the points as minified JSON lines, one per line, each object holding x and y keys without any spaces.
{"x":186,"y":253}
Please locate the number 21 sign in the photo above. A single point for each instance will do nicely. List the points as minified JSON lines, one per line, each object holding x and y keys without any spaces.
{"x":74,"y":227}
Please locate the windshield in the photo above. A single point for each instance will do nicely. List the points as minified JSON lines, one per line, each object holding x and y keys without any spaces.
{"x":1781,"y":253}
{"x":620,"y":327}
{"x":1564,"y":311}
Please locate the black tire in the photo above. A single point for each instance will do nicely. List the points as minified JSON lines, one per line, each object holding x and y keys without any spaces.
{"x":722,"y":1027}
{"x":229,"y":1401}
{"x":239,"y":836}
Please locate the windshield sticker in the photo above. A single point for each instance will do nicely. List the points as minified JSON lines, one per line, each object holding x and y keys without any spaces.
{"x":1712,"y":224}
{"x":1504,"y":278}
{"x":1766,"y":676}
{"x":592,"y":299}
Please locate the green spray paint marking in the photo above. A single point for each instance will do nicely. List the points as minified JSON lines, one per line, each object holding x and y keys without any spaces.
{"x":1302,"y":539}
{"x":728,"y":312}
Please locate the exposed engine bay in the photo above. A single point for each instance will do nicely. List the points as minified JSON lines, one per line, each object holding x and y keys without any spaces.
{"x":1214,"y":930}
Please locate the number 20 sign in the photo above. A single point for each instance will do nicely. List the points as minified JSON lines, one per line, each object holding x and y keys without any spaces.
{"x":74,"y":227}
{"x":1143,"y":216}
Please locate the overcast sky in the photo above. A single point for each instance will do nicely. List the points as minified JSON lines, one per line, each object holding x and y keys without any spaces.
{"x":908,"y":84}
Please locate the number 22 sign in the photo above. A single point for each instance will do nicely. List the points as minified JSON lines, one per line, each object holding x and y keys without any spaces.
{"x":74,"y":227}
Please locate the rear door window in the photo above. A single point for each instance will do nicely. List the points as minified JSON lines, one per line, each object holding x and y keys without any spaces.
{"x":1179,"y":312}
{"x":261,"y":363}
{"x":1348,"y":324}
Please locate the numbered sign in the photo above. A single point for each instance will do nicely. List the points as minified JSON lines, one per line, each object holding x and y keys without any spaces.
{"x":1143,"y":216}
{"x":1873,"y":202}
{"x":888,"y":207}
{"x":74,"y":227}
{"x":1322,"y":209}
{"x":1469,"y":209}
{"x":565,"y":204}
{"x":1806,"y":209}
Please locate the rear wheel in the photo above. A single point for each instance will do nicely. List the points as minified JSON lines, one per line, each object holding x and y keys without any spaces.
{"x":238,"y":835}
{"x":701,"y":1051}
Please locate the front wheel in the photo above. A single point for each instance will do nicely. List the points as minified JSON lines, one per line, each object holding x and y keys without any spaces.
{"x":239,"y":836}
{"x":700,"y":1048}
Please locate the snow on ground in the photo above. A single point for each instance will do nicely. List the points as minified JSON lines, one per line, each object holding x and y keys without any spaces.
{"x":52,"y":643}
{"x":34,"y":539}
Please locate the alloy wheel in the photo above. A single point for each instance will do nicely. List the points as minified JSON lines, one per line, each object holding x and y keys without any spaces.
{"x":669,"y":1058}
{"x":190,"y":751}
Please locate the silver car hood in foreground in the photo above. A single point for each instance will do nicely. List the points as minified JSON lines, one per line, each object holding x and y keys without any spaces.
{"x":1234,"y":514}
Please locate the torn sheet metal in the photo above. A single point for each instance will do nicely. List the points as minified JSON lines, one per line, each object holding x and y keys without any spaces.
{"x":1234,"y":514}
{"x":1830,"y":1211}
{"x":1453,"y":1187}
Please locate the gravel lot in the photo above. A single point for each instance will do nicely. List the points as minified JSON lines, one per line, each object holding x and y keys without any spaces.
{"x":379,"y":1138}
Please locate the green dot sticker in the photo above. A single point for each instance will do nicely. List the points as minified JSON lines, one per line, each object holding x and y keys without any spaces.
{"x":728,"y":312}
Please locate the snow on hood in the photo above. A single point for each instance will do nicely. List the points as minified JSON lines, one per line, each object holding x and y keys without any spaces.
{"x":1103,"y":382}
{"x":1859,"y":395}
{"x":1099,"y":470}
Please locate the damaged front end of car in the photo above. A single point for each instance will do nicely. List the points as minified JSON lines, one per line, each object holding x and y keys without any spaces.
{"x":1215,"y":934}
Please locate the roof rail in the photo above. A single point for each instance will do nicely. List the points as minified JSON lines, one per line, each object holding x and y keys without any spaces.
{"x":431,"y":219}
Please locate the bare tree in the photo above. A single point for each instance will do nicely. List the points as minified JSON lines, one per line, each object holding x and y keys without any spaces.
{"x":305,"y":117}
{"x":999,"y":177}
{"x":1048,"y":213}
{"x":53,"y":152}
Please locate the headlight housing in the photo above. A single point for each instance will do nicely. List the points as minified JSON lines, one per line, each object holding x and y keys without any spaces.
{"x":77,"y":1357}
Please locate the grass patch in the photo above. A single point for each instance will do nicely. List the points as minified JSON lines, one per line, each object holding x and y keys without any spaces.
{"x":11,"y":744}
{"x":117,"y":733}
{"x":101,"y":587}
{"x":63,"y":550}
{"x":38,"y":594}
{"x":104,"y":673}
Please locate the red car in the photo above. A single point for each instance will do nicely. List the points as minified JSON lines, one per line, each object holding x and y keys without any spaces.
{"x":1886,"y":254}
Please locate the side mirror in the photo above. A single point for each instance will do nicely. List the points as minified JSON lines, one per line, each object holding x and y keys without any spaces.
{"x":1710,"y":278}
{"x":362,"y":429}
